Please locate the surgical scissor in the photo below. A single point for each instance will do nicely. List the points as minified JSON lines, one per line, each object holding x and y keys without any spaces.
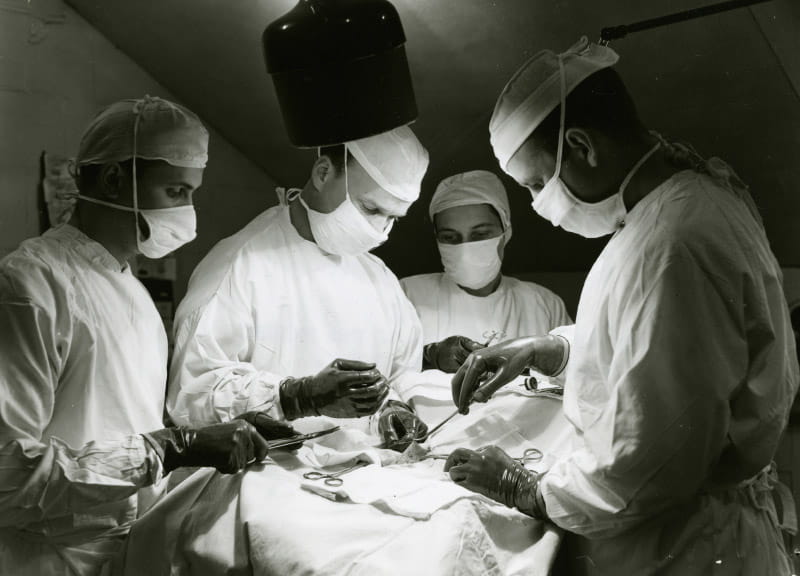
{"x":332,"y":479}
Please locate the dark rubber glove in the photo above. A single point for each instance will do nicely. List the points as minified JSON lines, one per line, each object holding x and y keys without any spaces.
{"x":493,"y":473}
{"x":343,"y":389}
{"x":270,"y":429}
{"x":228,"y":447}
{"x":449,"y":354}
{"x":399,"y":426}
{"x":489,"y":369}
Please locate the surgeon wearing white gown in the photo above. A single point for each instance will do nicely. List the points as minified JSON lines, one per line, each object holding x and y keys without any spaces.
{"x":682,"y":366}
{"x":83,"y":352}
{"x":292,"y":315}
{"x":472,"y":302}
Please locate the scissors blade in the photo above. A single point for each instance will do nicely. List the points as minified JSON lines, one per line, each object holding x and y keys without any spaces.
{"x":283,"y":442}
{"x":440,"y":424}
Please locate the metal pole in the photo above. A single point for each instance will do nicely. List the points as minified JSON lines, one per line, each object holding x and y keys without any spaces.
{"x":616,"y":32}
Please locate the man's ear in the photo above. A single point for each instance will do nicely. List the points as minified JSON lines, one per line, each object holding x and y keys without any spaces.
{"x":322,"y":171}
{"x":111,"y":180}
{"x":582,"y":144}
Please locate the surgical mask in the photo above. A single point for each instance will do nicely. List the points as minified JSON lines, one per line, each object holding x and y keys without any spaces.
{"x":472,"y":264}
{"x":561,"y":207}
{"x":345,"y":231}
{"x":591,"y":220}
{"x":170,"y":228}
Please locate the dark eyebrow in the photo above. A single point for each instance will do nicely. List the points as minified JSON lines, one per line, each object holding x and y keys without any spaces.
{"x":372,"y":206}
{"x":181,"y":183}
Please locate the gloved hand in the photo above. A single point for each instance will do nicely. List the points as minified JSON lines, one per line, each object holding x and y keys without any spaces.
{"x":449,"y":354}
{"x":493,"y":473}
{"x":500,"y":364}
{"x":343,"y":389}
{"x":399,"y":426}
{"x":269,"y":428}
{"x":228,"y":447}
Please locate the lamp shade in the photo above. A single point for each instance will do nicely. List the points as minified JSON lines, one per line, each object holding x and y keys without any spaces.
{"x":340,"y":70}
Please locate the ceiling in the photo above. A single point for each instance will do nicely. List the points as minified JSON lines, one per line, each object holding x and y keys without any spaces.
{"x":724,"y":83}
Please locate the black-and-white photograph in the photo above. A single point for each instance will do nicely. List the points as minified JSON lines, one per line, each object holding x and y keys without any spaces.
{"x":399,"y":287}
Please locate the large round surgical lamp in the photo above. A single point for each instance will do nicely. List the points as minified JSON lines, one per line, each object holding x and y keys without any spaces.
{"x":340,"y":70}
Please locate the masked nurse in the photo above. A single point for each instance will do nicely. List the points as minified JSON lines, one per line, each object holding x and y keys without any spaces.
{"x":681,"y":369}
{"x":472,"y":303}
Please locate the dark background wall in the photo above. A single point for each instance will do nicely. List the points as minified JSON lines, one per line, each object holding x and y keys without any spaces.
{"x":728,"y":84}
{"x":724,"y":83}
{"x":56,"y":72}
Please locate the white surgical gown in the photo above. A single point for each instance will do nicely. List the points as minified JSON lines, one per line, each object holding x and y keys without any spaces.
{"x":266,"y":304}
{"x":82,"y":372}
{"x":515,"y":309}
{"x":679,"y":383}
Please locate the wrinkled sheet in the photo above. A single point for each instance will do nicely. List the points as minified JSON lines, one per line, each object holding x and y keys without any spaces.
{"x":387,"y":517}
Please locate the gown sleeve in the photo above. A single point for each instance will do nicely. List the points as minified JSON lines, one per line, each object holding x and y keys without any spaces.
{"x":653,"y":430}
{"x":211,"y":377}
{"x":45,"y":478}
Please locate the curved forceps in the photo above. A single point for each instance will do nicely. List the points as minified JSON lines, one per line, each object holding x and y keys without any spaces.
{"x":530,"y":456}
{"x":332,"y":479}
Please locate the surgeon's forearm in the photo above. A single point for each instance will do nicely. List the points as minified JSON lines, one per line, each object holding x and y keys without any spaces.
{"x":296,"y":398}
{"x":41,"y":481}
{"x":429,"y":356}
{"x":528,"y":497}
{"x":566,"y":333}
{"x":513,"y":484}
{"x":550,"y":354}
{"x":216,"y":396}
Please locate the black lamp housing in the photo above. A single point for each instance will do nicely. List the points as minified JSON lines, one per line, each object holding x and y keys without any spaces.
{"x":340,"y":70}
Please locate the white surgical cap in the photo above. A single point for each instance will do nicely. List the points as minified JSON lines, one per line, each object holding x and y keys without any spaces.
{"x":535,"y":90}
{"x":469,"y":189}
{"x":163,"y":131}
{"x":395,"y":160}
